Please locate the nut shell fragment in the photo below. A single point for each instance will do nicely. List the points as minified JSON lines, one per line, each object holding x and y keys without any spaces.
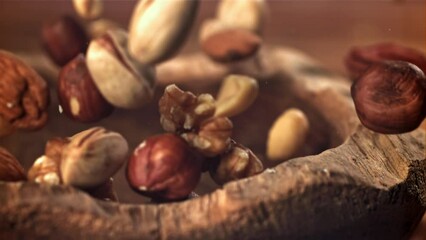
{"x":10,"y":168}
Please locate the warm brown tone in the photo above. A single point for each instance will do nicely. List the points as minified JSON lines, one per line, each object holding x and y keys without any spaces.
{"x":371,"y":186}
{"x":10,"y":168}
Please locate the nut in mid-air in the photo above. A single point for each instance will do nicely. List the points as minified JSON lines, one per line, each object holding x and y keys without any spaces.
{"x":159,"y":27}
{"x":390,"y":97}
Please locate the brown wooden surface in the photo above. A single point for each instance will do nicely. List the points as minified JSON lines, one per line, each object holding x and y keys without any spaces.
{"x":370,"y":186}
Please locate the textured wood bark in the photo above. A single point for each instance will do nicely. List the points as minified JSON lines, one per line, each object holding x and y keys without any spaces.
{"x":367,"y":186}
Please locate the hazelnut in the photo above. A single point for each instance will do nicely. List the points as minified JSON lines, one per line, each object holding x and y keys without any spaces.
{"x":390,"y":97}
{"x":239,"y":162}
{"x":10,"y":168}
{"x":158,"y":28}
{"x":359,"y":59}
{"x":236,"y":94}
{"x":244,"y":14}
{"x":63,"y":39}
{"x":287,"y":135}
{"x":231,"y":44}
{"x":164,"y":167}
{"x":78,"y":95}
{"x":92,"y":157}
{"x":88,"y":9}
{"x":122,"y":81}
{"x":212,"y":138}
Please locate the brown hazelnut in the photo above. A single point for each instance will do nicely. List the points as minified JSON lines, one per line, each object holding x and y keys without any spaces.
{"x":231,"y":44}
{"x":63,"y":39}
{"x":78,"y":95}
{"x":390,"y":97}
{"x":164,"y":167}
{"x":10,"y":168}
{"x":239,"y":162}
{"x":360,"y":58}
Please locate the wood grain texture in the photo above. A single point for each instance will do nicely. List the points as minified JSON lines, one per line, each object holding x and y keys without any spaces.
{"x":365,"y":186}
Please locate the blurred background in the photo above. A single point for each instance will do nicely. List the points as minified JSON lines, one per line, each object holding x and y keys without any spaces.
{"x":323,"y":29}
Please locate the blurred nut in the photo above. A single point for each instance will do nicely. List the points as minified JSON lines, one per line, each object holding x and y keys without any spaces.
{"x":245,"y":14}
{"x":45,"y":170}
{"x":64,"y":39}
{"x":164,"y":167}
{"x":78,"y":95}
{"x":235,"y":95}
{"x":24,"y":95}
{"x":232,"y":44}
{"x":158,"y":28}
{"x":120,"y":80}
{"x":92,"y":157}
{"x":212,"y":138}
{"x":238,"y":163}
{"x":183,"y":111}
{"x":100,"y":27}
{"x":423,"y":125}
{"x":390,"y":97}
{"x":210,"y":27}
{"x":10,"y":168}
{"x":287,"y":135}
{"x":88,"y":9}
{"x":359,"y":59}
{"x":5,"y":127}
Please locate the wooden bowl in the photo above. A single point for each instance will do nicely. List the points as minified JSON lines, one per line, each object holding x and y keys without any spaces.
{"x":349,"y":183}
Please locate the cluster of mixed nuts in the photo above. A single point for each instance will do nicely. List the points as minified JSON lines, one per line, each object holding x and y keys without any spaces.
{"x":389,"y":90}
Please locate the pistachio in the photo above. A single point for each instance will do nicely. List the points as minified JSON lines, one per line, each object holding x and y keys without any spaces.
{"x":122,"y":81}
{"x":236,"y":94}
{"x":92,"y":157}
{"x":159,"y":27}
{"x":287,"y":135}
{"x":245,"y":14}
{"x":88,"y":9}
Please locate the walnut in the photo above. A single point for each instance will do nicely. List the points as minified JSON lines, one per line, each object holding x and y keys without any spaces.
{"x":23,"y":94}
{"x":212,"y":138}
{"x":239,"y":162}
{"x":183,"y":111}
{"x":46,"y":168}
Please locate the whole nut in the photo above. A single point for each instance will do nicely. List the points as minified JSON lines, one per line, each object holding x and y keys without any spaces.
{"x":183,"y":111}
{"x":359,"y":59}
{"x":212,"y":138}
{"x":63,"y":39}
{"x":236,"y":94}
{"x":238,"y":163}
{"x":92,"y":157}
{"x":158,"y":28}
{"x":45,"y":170}
{"x":390,"y":97}
{"x":164,"y":167}
{"x":78,"y":95}
{"x":10,"y":168}
{"x":88,"y":9}
{"x":287,"y":135}
{"x":245,"y":14}
{"x":24,"y":95}
{"x":122,"y":81}
{"x":231,"y":44}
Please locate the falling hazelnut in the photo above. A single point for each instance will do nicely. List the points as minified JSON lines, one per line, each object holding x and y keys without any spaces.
{"x":164,"y":167}
{"x":390,"y":97}
{"x":78,"y":95}
{"x":360,"y":58}
{"x":63,"y":39}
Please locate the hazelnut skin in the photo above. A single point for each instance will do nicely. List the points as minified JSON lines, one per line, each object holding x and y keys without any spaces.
{"x":390,"y":97}
{"x":63,"y":39}
{"x":164,"y":167}
{"x":78,"y":95}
